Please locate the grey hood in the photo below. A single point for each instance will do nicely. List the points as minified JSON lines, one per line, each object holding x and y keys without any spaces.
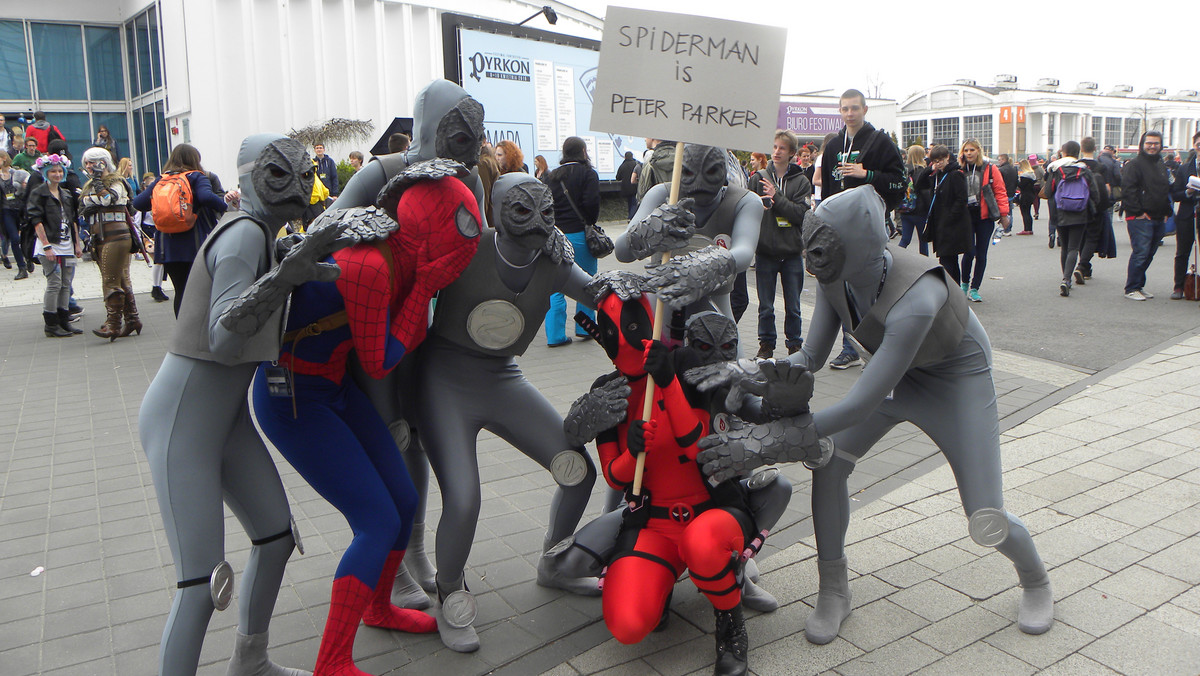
{"x":857,"y":215}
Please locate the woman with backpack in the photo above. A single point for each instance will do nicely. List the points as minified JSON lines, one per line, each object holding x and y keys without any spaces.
{"x":948,"y":225}
{"x":1073,"y":197}
{"x":178,"y":243}
{"x":575,"y":187}
{"x":914,"y":208}
{"x":987,"y":201}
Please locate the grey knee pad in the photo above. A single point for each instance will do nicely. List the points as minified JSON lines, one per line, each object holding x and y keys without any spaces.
{"x":401,"y":433}
{"x":988,"y":527}
{"x":762,"y":478}
{"x":220,"y":585}
{"x":569,"y":468}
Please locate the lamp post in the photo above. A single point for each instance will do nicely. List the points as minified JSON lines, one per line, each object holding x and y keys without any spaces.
{"x":551,"y":16}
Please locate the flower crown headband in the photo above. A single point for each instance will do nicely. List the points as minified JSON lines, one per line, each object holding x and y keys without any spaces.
{"x":45,"y":160}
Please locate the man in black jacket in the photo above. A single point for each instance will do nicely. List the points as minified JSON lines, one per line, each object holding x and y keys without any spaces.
{"x":785,"y":191}
{"x":1097,"y":229}
{"x":1009,"y":173}
{"x":625,"y":177}
{"x":1145,"y":194}
{"x":1185,"y":217}
{"x":859,"y":155}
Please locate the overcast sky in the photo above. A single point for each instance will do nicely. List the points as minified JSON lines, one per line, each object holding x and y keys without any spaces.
{"x":882,"y":43}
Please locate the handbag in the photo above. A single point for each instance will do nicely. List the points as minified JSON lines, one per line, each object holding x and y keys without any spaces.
{"x":1190,"y":280}
{"x":599,"y":244}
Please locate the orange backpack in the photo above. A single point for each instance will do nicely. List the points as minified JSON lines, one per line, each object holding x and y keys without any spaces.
{"x":171,"y":204}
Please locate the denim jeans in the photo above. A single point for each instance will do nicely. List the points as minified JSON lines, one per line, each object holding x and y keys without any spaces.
{"x":976,"y":256}
{"x":1144,"y":236}
{"x":556,"y":318}
{"x":910,"y":223}
{"x":12,"y":235}
{"x":59,"y":273}
{"x":791,"y":272}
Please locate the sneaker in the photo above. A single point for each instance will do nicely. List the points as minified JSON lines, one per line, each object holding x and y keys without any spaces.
{"x":1064,"y":289}
{"x":1146,"y":293}
{"x":974,"y":297}
{"x":1079,"y":276}
{"x":1135,"y":295}
{"x":765,"y":350}
{"x":1052,"y":240}
{"x":965,"y":287}
{"x":1177,"y":294}
{"x":1025,"y":232}
{"x":996,"y":235}
{"x":845,"y":360}
{"x":793,"y":349}
{"x":1008,"y":233}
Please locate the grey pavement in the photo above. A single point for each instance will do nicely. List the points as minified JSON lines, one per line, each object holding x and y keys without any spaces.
{"x":1101,"y":463}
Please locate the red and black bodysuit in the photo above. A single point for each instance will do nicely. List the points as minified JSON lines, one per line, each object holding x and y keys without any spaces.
{"x":681,"y":524}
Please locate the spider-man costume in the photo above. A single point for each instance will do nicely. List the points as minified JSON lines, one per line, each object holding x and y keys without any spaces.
{"x":681,"y":523}
{"x":329,"y":431}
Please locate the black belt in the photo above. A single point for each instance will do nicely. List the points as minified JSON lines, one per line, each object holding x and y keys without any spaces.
{"x":681,"y":512}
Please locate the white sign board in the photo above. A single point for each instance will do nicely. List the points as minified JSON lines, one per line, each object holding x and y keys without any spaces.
{"x":688,"y":78}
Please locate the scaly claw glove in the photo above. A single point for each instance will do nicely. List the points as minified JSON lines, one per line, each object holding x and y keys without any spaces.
{"x":683,"y":280}
{"x":559,"y":248}
{"x":734,"y":374}
{"x":667,"y":228}
{"x":626,"y":285}
{"x":604,"y":407}
{"x":658,"y":363}
{"x":745,"y":447}
{"x":785,"y":388}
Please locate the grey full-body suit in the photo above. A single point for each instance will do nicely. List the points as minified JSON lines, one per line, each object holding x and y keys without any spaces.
{"x":468,"y":381}
{"x":931,"y":364}
{"x":448,"y":123}
{"x":714,"y":215}
{"x":197,"y":433}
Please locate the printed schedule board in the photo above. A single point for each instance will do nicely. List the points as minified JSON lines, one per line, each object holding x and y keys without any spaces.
{"x":536,"y":93}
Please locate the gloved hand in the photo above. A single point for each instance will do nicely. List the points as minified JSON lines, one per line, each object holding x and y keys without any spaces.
{"x":602,"y":408}
{"x":685,"y":279}
{"x":667,"y":228}
{"x":626,"y":285}
{"x":635,"y":438}
{"x":658,"y":363}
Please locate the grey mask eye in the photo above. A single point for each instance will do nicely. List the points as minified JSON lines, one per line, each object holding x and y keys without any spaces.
{"x":467,"y":225}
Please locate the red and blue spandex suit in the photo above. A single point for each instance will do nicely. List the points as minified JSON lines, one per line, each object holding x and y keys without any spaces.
{"x":328,"y":429}
{"x":683,"y":527}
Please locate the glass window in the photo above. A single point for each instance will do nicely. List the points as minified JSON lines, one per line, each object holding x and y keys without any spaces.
{"x":155,"y":57}
{"x":118,"y":128}
{"x":131,"y":56}
{"x":58,"y":61}
{"x":1050,"y":129}
{"x":945,"y":132}
{"x":1098,"y":130}
{"x":1133,"y":131}
{"x":106,"y":80}
{"x":143,"y":52}
{"x":160,"y":126}
{"x":913,"y":131}
{"x":77,"y":127}
{"x":14,"y":62}
{"x":979,"y":127}
{"x":1112,"y":131}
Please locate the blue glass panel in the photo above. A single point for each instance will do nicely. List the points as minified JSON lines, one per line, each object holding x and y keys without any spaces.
{"x":118,"y":128}
{"x":14,"y":62}
{"x":131,"y":56}
{"x":155,"y":57}
{"x":58,"y":61}
{"x":160,"y":122}
{"x":143,"y":52}
{"x":77,"y":128}
{"x":105,"y":77}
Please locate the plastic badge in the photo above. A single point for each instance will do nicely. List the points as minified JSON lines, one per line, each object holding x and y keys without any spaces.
{"x":279,"y":381}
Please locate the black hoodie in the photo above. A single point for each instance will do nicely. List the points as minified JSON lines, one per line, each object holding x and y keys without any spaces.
{"x":879,"y":156}
{"x":1146,"y":186}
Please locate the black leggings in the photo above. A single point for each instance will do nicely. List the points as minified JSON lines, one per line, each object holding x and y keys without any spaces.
{"x":1027,"y":216}
{"x":1071,"y":237}
{"x":951,"y":265}
{"x":178,"y":274}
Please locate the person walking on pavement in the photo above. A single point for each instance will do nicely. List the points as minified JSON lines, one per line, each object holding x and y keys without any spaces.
{"x":987,"y":201}
{"x":1185,"y":216}
{"x":1074,"y":200}
{"x":52,"y":209}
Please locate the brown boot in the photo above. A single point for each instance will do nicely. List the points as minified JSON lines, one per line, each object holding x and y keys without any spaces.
{"x":111,"y":328}
{"x":132,"y":323}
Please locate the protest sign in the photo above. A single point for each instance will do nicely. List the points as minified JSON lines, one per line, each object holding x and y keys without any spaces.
{"x":689,"y":78}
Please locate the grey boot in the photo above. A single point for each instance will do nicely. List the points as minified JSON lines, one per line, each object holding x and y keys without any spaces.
{"x":455,"y":614}
{"x":755,"y":597}
{"x":548,"y":575}
{"x":250,"y":658}
{"x":833,"y":602}
{"x":406,"y":593}
{"x":417,"y":561}
{"x":1035,"y":615}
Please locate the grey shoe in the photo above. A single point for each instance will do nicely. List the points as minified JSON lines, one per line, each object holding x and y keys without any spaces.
{"x":250,"y":658}
{"x":845,"y":360}
{"x":1035,"y":615}
{"x":833,"y":602}
{"x":455,"y":615}
{"x":1079,"y":276}
{"x":406,"y":593}
{"x":755,"y":597}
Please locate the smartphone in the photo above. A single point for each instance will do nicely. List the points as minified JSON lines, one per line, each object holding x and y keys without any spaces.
{"x":767,"y":201}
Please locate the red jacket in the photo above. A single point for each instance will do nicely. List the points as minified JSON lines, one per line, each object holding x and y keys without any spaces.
{"x":992,"y":177}
{"x":42,"y":136}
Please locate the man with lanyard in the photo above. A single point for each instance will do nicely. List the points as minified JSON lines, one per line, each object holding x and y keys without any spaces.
{"x":860,"y":155}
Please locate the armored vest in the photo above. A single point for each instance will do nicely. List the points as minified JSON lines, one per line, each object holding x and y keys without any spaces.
{"x":478,"y":312}
{"x":191,"y":329}
{"x":906,"y":268}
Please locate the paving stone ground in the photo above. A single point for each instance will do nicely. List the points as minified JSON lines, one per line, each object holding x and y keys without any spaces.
{"x":1103,"y":468}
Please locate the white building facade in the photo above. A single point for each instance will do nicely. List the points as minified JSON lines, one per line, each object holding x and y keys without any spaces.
{"x":1007,"y":119}
{"x":210,"y":72}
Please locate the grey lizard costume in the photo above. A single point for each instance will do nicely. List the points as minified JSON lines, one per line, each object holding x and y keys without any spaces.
{"x":931,"y":365}
{"x":196,"y":430}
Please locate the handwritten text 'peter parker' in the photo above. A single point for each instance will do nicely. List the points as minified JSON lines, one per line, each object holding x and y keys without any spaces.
{"x":697,"y":113}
